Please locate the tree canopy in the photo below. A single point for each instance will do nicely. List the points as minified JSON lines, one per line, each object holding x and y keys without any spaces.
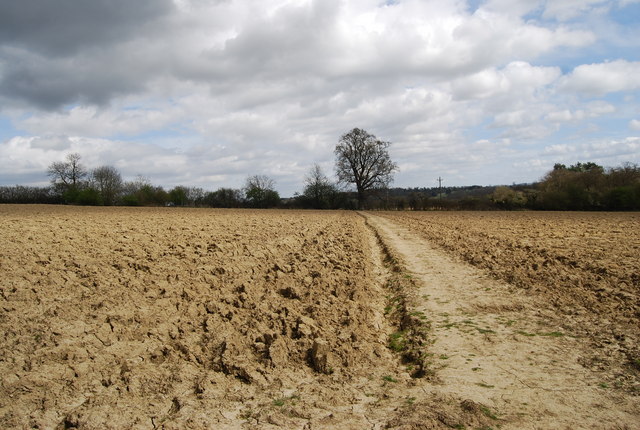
{"x":363,"y":160}
{"x":318,"y":191}
{"x":259,"y":191}
{"x":67,"y":175}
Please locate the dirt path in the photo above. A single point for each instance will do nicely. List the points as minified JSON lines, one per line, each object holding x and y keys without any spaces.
{"x":503,"y":349}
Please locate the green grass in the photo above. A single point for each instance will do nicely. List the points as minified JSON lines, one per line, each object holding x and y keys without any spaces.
{"x":389,"y":378}
{"x":524,"y":333}
{"x":283,"y":400}
{"x":483,"y":385}
{"x":487,"y":412}
{"x":397,"y":341}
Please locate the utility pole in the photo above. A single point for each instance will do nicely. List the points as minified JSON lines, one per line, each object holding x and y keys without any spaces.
{"x":440,"y":187}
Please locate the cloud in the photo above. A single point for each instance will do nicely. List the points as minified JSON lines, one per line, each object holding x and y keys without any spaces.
{"x":234,"y":47}
{"x":91,"y":121}
{"x":569,"y":9}
{"x":603,"y":78}
{"x":229,"y":88}
{"x":64,"y":27}
{"x":634,"y":124}
{"x":608,"y":152}
{"x":517,"y":78}
{"x":592,"y":110}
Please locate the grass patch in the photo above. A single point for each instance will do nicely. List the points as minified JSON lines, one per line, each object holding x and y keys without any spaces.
{"x":397,"y":341}
{"x":389,"y":378}
{"x":484,"y":330}
{"x":487,"y":412}
{"x":524,"y":333}
{"x":283,"y":400}
{"x":483,"y":385}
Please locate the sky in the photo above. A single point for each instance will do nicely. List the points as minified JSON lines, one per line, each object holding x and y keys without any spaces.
{"x":205,"y":93}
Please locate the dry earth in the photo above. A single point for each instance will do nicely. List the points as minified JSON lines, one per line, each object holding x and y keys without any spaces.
{"x":511,"y":351}
{"x":178,"y":318}
{"x":585,"y":267}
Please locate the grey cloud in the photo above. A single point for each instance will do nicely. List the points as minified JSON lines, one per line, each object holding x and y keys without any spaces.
{"x":61,"y":52}
{"x":51,"y":83}
{"x":62,"y":27}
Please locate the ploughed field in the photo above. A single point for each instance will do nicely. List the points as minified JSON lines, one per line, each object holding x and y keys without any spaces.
{"x":585,"y":264}
{"x":143,"y":317}
{"x":199,"y":318}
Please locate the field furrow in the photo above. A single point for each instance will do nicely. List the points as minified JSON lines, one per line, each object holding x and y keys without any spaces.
{"x":585,"y":265}
{"x":137,"y":317}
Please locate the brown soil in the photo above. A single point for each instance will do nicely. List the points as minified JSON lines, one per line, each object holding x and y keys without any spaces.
{"x":178,"y":318}
{"x":583,"y":266}
{"x":509,"y":350}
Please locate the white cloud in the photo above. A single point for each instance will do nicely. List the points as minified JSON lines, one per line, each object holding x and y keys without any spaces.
{"x":608,"y":152}
{"x":634,"y":124}
{"x":561,"y":116}
{"x":603,"y":78}
{"x":568,"y":9}
{"x":591,"y":110}
{"x":94,"y":121}
{"x":516,"y":8}
{"x":560,"y":149}
{"x":196,"y":91}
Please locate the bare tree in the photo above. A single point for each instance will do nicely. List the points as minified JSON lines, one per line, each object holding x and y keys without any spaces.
{"x":363,"y":160}
{"x":67,"y":175}
{"x":318,"y":190}
{"x":259,"y":191}
{"x":108,"y":182}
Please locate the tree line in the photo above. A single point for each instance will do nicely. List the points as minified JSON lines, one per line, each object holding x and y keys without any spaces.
{"x":579,"y":187}
{"x":362,"y":161}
